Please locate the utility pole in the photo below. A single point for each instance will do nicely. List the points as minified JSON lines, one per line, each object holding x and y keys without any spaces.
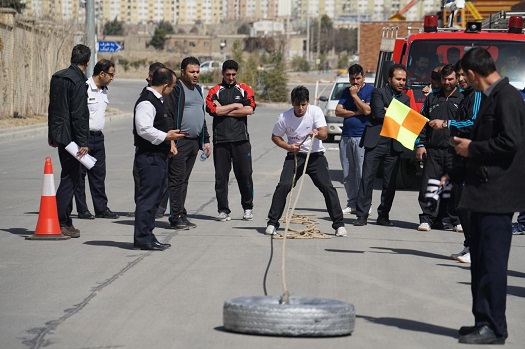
{"x":308,"y":37}
{"x":90,"y":31}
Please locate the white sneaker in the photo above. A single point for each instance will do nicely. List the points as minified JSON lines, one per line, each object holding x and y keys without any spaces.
{"x":458,"y":228}
{"x":248,"y":215}
{"x":270,"y":230}
{"x":424,"y":227}
{"x":465,"y":258}
{"x":349,"y":210}
{"x":341,"y":231}
{"x":223,"y":217}
{"x":461,"y":254}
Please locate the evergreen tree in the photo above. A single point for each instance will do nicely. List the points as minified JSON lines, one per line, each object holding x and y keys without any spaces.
{"x":17,"y":5}
{"x":115,"y":27}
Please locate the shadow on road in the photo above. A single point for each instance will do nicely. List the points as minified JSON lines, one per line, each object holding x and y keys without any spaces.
{"x":18,"y":231}
{"x":342,"y":251}
{"x":123,"y":245}
{"x":411,"y":325}
{"x":410,"y":252}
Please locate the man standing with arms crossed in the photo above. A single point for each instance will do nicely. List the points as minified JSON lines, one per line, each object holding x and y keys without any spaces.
{"x":493,"y":190}
{"x":103,"y":74}
{"x":153,"y":133}
{"x":68,"y":120}
{"x":379,"y":148}
{"x":230,"y":103}
{"x":185,"y":105}
{"x":354,"y":107}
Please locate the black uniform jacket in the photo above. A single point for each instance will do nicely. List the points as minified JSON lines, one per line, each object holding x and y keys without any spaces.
{"x":494,"y":172}
{"x":381,"y":98}
{"x":68,"y":113}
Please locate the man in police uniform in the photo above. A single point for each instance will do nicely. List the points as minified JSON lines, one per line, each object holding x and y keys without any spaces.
{"x":103,"y":74}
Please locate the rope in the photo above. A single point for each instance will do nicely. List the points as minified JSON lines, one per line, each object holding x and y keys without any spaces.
{"x":285,"y":298}
{"x":310,"y":232}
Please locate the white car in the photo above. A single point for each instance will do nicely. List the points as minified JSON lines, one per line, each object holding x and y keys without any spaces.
{"x":210,"y":66}
{"x":335,"y":123}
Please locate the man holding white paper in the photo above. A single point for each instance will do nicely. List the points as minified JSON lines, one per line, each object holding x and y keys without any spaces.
{"x":68,"y":120}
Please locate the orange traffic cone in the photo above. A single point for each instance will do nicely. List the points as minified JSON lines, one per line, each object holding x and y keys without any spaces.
{"x":47,"y":227}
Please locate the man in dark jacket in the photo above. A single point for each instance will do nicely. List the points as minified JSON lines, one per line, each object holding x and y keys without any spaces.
{"x":185,"y":105}
{"x":493,"y":189}
{"x":433,"y":149}
{"x":68,"y":121}
{"x":379,"y":148}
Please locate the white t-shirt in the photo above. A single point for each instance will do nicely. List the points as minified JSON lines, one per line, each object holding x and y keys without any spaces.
{"x":297,"y":128}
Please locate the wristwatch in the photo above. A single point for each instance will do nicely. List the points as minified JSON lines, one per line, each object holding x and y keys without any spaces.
{"x":445,"y":124}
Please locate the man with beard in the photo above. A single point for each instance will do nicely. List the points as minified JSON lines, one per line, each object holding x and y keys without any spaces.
{"x":185,"y":106}
{"x":354,"y":108}
{"x":461,"y":127}
{"x":433,"y":148}
{"x":381,"y":149}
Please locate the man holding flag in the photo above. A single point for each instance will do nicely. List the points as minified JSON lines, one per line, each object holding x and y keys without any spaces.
{"x":379,"y":147}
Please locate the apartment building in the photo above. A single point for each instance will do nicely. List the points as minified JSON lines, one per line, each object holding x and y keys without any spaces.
{"x":213,"y":11}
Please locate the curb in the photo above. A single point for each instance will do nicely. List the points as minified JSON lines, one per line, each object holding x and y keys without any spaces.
{"x":31,"y":131}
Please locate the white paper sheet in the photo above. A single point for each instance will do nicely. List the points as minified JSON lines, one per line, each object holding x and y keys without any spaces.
{"x":87,"y":160}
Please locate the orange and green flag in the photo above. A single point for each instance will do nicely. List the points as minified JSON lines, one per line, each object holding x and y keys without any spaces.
{"x":402,"y":124}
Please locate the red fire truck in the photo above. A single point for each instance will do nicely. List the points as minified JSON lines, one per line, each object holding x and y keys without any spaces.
{"x":426,"y":48}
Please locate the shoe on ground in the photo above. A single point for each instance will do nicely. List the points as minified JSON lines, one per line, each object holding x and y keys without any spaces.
{"x":341,"y":231}
{"x":458,"y":228}
{"x":162,"y":244}
{"x":223,"y":217}
{"x":187,"y":221}
{"x":460,"y":254}
{"x":464,"y":330}
{"x":85,"y":215}
{"x":70,"y":231}
{"x":154,"y":246}
{"x":107,"y":214}
{"x":248,"y":215}
{"x":482,"y":335}
{"x":178,"y":223}
{"x":159,"y":214}
{"x":270,"y":230}
{"x":384,"y":221}
{"x":518,"y":229}
{"x":361,"y":221}
{"x":465,"y":258}
{"x":424,"y":227}
{"x":349,"y":210}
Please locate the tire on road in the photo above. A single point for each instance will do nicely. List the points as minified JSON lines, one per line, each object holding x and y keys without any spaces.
{"x":312,"y":317}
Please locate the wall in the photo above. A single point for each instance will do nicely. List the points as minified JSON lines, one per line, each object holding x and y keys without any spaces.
{"x":29,"y":54}
{"x":370,"y":40}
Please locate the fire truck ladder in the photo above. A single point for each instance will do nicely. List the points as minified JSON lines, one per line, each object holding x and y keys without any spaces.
{"x":388,"y":41}
{"x":500,"y":19}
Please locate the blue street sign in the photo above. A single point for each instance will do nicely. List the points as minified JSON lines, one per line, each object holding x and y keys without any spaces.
{"x":108,"y":46}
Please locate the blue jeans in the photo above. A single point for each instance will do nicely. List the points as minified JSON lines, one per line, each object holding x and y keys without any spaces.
{"x":352,"y":157}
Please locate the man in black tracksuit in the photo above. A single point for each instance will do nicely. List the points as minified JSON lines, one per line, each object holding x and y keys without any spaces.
{"x":185,"y":106}
{"x":230,"y":103}
{"x":433,"y":147}
{"x":462,"y":127}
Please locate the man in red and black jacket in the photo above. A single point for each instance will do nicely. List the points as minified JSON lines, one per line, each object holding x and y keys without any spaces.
{"x":230,"y":103}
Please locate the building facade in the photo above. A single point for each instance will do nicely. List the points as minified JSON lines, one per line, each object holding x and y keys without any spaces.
{"x":186,"y":12}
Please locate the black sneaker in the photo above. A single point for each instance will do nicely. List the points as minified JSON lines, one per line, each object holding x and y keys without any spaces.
{"x":178,"y":223}
{"x":107,"y":214}
{"x":85,"y":215}
{"x":188,"y":223}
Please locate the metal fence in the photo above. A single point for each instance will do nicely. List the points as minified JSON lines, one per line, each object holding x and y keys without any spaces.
{"x":30,"y":52}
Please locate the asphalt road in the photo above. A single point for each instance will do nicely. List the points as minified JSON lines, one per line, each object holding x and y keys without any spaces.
{"x":97,"y":292}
